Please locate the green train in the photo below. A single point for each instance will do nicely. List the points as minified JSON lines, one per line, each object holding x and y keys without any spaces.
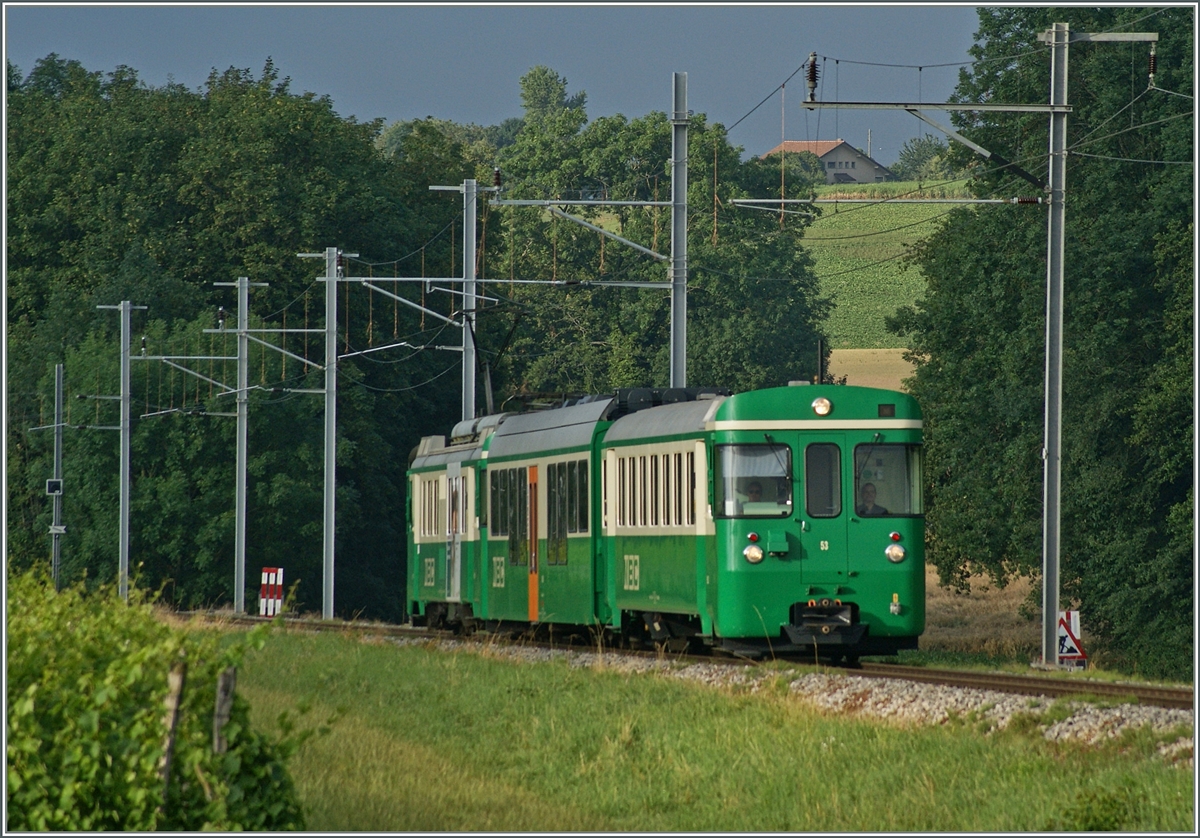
{"x":783,"y":521}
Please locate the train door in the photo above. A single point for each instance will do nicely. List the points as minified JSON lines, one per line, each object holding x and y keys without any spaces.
{"x":533,"y":544}
{"x":822,"y":510}
{"x":455,"y":519}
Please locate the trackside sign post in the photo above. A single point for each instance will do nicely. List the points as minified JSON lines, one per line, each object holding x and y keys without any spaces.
{"x":270,"y":597}
{"x":1070,"y":650}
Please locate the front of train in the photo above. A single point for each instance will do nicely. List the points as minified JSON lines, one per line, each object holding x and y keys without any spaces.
{"x":816,"y":496}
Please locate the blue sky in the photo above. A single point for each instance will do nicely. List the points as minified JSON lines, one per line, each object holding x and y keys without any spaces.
{"x":464,"y":62}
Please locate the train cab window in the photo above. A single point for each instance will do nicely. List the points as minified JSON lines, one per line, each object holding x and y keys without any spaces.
{"x":888,"y":481}
{"x":823,"y":480}
{"x":753,"y":481}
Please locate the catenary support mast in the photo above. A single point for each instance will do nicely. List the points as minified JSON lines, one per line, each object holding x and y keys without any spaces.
{"x":679,"y":166}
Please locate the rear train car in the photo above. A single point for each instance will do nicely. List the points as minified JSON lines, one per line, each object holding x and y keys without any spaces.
{"x":786,"y":520}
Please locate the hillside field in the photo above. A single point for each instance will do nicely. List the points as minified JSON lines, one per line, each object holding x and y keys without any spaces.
{"x":859,"y":253}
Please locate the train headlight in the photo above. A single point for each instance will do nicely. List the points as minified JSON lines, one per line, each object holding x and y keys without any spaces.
{"x":822,"y":406}
{"x":753,"y":554}
{"x":894,"y":552}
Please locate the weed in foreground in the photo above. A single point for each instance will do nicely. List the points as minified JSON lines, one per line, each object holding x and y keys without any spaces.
{"x":1099,"y":810}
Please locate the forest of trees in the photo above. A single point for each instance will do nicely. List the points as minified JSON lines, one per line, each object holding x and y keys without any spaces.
{"x":121,"y":191}
{"x":978,"y":334}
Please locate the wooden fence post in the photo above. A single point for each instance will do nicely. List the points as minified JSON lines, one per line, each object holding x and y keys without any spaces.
{"x":226,"y":682}
{"x":175,"y":680}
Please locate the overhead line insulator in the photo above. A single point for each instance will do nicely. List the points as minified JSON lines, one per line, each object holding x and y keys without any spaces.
{"x":813,"y":74}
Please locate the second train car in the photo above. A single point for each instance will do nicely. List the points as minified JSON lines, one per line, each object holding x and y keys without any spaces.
{"x":777,"y":521}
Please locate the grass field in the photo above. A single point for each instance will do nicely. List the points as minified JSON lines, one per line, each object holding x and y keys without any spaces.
{"x":438,"y":741}
{"x":858,"y":250}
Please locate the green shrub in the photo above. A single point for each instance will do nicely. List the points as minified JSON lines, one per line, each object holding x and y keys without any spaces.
{"x":87,"y":722}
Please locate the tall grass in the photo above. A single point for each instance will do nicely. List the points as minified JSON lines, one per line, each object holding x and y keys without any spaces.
{"x":439,"y":741}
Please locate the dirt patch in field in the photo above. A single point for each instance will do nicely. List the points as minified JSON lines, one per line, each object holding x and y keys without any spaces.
{"x":884,"y":368}
{"x":988,"y":619}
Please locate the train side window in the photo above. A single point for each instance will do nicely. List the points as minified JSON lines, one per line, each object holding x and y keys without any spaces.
{"x":604,"y":493}
{"x":691,"y":477}
{"x":518,"y":516}
{"x":823,"y":480}
{"x":497,"y":481}
{"x":679,"y":488}
{"x":623,"y":488}
{"x":557,"y":503}
{"x":581,"y":478}
{"x":655,"y":490}
{"x":642,"y":495}
{"x":573,"y":496}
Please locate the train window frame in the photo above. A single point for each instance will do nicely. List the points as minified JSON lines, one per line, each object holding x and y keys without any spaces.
{"x":832,"y":486}
{"x":909,"y":486}
{"x":738,"y":457}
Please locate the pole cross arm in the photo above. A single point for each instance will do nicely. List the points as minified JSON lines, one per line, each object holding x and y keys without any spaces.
{"x":417,"y":306}
{"x":942,"y":106}
{"x":299,"y":358}
{"x":220,"y":384}
{"x":1047,"y":36}
{"x":611,"y":235}
{"x":980,"y":150}
{"x":514,"y":202}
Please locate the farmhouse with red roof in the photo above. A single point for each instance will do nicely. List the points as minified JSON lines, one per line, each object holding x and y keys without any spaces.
{"x":843,"y":162}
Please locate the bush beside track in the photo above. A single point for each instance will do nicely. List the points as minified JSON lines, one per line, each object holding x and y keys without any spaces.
{"x":87,"y":724}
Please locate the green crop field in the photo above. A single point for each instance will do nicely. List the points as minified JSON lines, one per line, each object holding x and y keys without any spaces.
{"x":858,"y":249}
{"x":436,"y":740}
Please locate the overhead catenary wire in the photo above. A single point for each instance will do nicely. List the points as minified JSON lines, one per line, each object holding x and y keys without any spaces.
{"x":825,"y":58}
{"x":1132,"y":159}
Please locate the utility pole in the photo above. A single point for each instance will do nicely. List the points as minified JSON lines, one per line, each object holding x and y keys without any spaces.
{"x":679,"y":173}
{"x":242,"y":396}
{"x":1059,"y":36}
{"x":243,"y":442}
{"x":126,"y":308}
{"x":470,"y":190}
{"x":56,"y":527}
{"x":468,"y":336}
{"x":332,"y":270}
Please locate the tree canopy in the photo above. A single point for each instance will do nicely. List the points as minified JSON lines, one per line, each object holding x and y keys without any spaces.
{"x":977,"y":335}
{"x":121,"y":191}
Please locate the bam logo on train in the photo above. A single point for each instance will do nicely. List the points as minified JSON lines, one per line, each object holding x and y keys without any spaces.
{"x":784,"y":520}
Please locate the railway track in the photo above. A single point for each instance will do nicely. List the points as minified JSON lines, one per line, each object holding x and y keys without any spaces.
{"x":1044,"y":685}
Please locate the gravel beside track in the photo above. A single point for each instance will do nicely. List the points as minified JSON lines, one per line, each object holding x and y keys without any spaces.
{"x":895,"y":701}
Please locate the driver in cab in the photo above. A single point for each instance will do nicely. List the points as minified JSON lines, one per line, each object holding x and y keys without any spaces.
{"x":867,"y":506}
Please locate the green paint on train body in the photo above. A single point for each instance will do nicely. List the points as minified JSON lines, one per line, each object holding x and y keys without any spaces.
{"x":750,"y":519}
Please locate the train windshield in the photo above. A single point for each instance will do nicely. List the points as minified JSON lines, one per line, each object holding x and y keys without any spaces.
{"x":753,"y":481}
{"x":887,"y":481}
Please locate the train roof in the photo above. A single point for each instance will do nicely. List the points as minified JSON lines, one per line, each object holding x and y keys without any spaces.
{"x":433,"y":451}
{"x":667,"y":420}
{"x":849,"y":407}
{"x":548,"y":430}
